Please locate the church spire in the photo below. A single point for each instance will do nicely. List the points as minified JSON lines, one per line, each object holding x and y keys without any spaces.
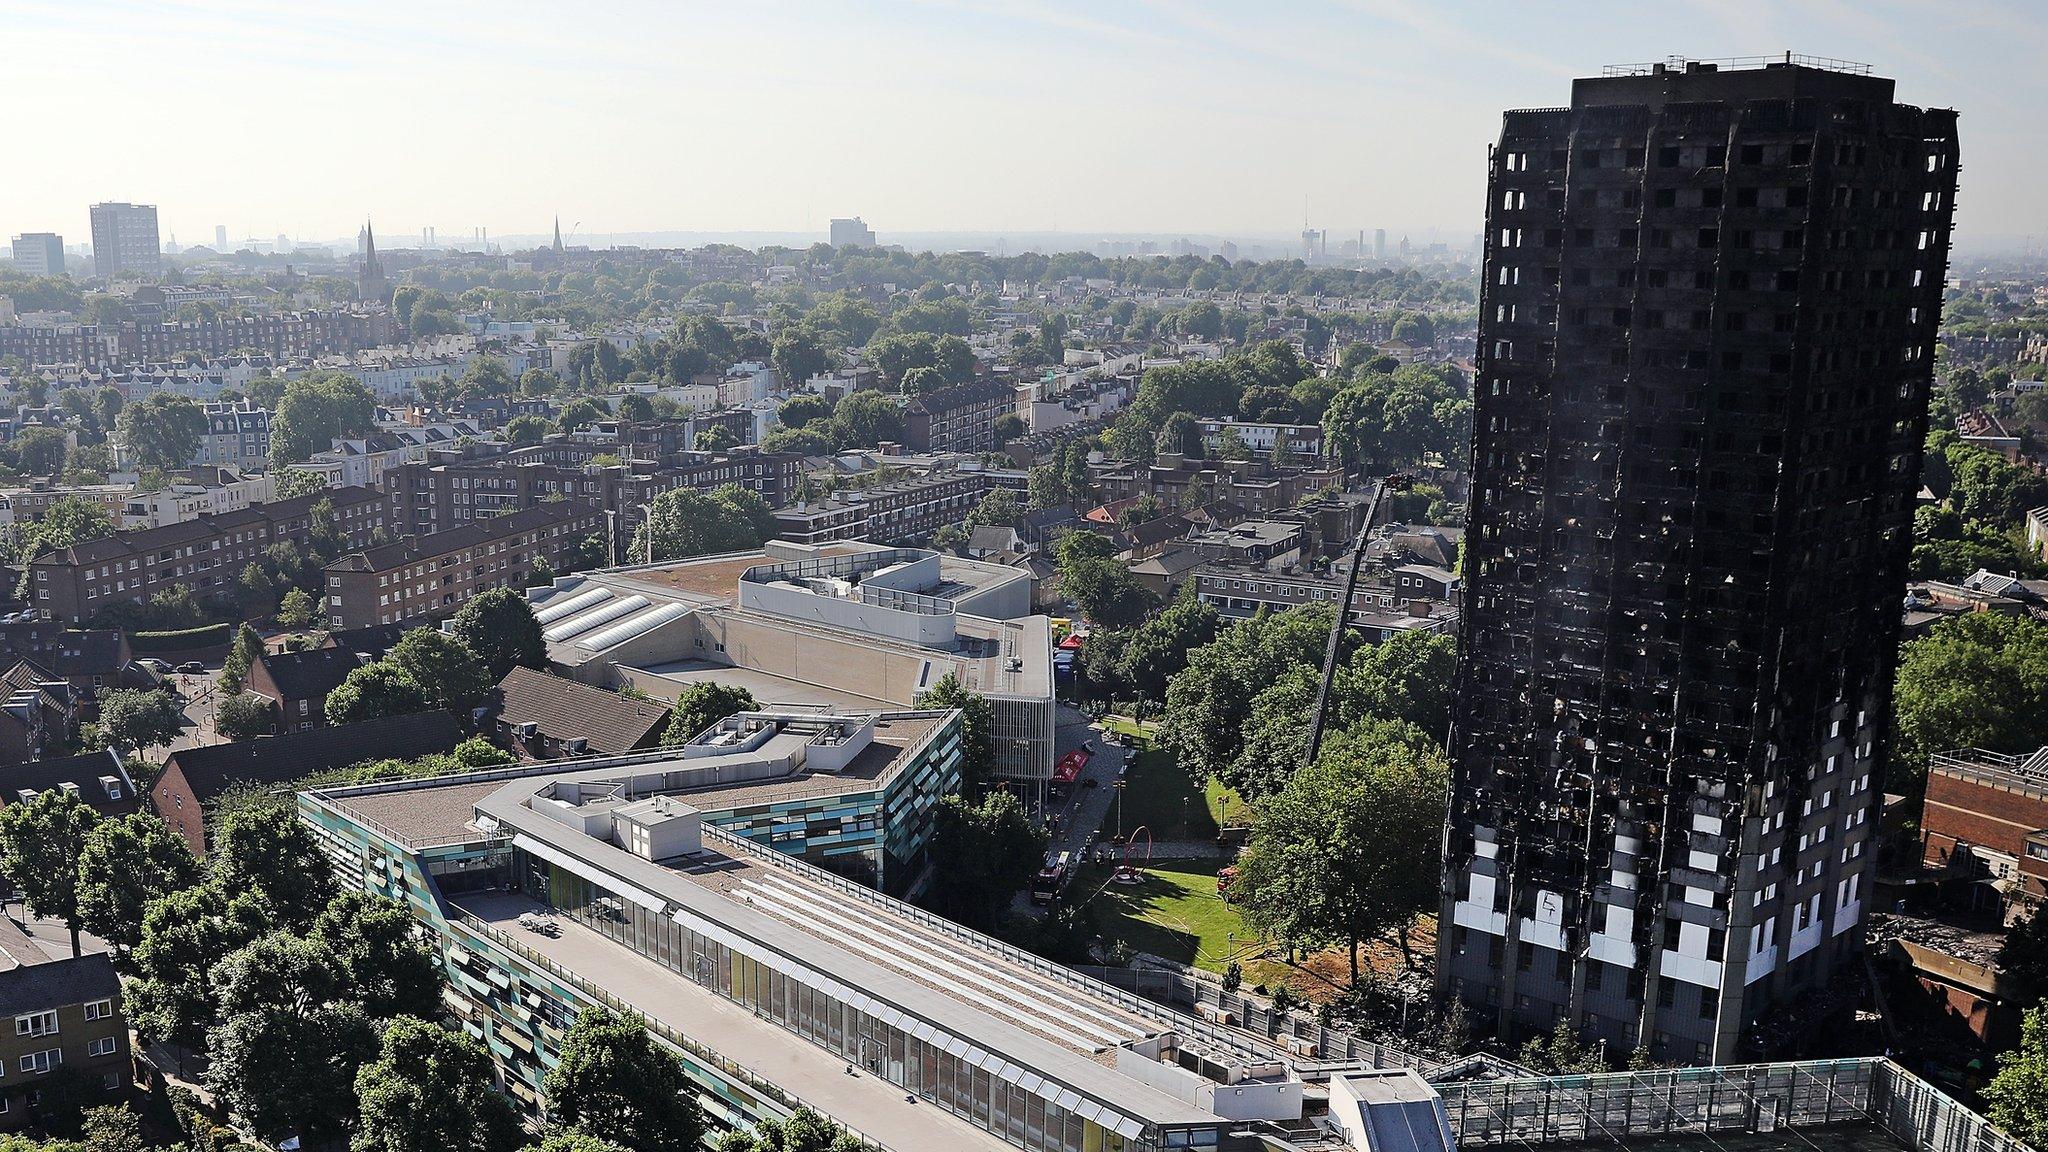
{"x":558,"y":233}
{"x":371,"y":287}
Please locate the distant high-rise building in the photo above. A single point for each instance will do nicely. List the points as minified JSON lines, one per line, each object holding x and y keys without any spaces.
{"x":220,"y":238}
{"x":1706,"y":339}
{"x":852,"y":233}
{"x":39,"y":254}
{"x":1379,"y":243}
{"x":124,"y":241}
{"x":371,"y":287}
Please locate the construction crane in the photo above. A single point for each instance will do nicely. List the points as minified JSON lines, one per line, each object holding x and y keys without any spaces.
{"x":1399,"y":482}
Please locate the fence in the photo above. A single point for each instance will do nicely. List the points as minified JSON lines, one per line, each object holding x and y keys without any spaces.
{"x":1191,"y":990}
{"x":1732,"y":1098}
{"x":1918,"y":1114}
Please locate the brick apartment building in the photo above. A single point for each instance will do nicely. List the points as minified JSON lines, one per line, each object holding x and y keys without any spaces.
{"x":1254,"y":485}
{"x":958,"y":419}
{"x":284,"y":335}
{"x":205,"y":555}
{"x":432,"y":497}
{"x":67,"y":1015}
{"x":426,"y":577}
{"x":901,"y":510}
{"x":1984,"y":820}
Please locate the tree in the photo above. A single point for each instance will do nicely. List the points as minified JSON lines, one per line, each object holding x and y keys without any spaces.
{"x":803,"y":409}
{"x":375,"y":691}
{"x":717,"y":438}
{"x":998,"y":508}
{"x":804,"y":1131}
{"x":613,"y":1082}
{"x":112,"y":1128}
{"x":499,"y":627}
{"x":636,"y":407}
{"x":123,"y":866}
{"x":1147,"y":657}
{"x":39,"y":451}
{"x":296,"y":609}
{"x":68,"y":520}
{"x":183,"y":934}
{"x":2017,"y":1097}
{"x":40,"y":842}
{"x":430,"y":1089}
{"x":982,"y":854}
{"x":2024,"y":954}
{"x":814,"y":440}
{"x":454,"y":677}
{"x":1979,"y":680}
{"x":684,"y":522}
{"x":140,"y":718}
{"x":798,"y":355}
{"x":287,"y":1036}
{"x":317,"y":409}
{"x":865,"y":419}
{"x":1562,"y":1053}
{"x":1208,"y":703}
{"x":978,"y":727}
{"x":162,"y":430}
{"x":244,"y":717}
{"x":920,"y":380}
{"x":1332,"y":860}
{"x":526,"y":429}
{"x":389,"y":970}
{"x":268,"y":852}
{"x":580,"y":412}
{"x":1106,"y":592}
{"x":700,"y":706}
{"x":292,"y":483}
{"x":243,"y":654}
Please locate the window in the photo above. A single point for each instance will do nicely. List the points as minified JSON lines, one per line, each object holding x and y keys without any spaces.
{"x":41,"y":1062}
{"x":102,"y":1046}
{"x":36,"y":1024}
{"x":99,"y":1010}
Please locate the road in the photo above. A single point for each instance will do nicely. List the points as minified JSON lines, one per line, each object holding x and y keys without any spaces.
{"x":1074,"y":822}
{"x":200,"y":694}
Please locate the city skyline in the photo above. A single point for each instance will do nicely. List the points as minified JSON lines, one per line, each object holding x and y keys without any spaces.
{"x":1202,"y":121}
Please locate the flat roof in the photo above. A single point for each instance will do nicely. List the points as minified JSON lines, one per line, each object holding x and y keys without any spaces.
{"x":997,"y":1004}
{"x":768,"y":688}
{"x":426,"y":812}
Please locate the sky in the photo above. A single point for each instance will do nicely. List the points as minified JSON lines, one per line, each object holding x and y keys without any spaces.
{"x":1117,"y":116}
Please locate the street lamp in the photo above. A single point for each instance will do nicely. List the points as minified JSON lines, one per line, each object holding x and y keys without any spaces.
{"x":1119,"y":809}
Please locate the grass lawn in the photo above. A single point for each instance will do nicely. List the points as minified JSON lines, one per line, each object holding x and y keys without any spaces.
{"x":1154,"y":789}
{"x":1175,"y":913}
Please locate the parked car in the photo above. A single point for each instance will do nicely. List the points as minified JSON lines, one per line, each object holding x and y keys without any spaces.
{"x":160,"y":667}
{"x":192,"y":668}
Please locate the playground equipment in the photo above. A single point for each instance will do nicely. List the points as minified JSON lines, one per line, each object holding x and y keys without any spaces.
{"x":1126,"y":873}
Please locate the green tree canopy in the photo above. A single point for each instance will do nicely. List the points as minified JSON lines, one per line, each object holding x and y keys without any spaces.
{"x":1333,"y":858}
{"x":376,"y":691}
{"x":140,"y":717}
{"x":314,"y":411}
{"x":866,"y":418}
{"x":978,"y":730}
{"x":613,"y":1082}
{"x":982,"y":854}
{"x":183,"y":934}
{"x":455,"y":677}
{"x":40,"y":843}
{"x":162,"y":430}
{"x":684,"y":522}
{"x":700,"y":706}
{"x":431,"y":1089}
{"x":268,"y":852}
{"x":287,"y":1036}
{"x":1974,"y":681}
{"x":124,"y":865}
{"x":2017,"y":1097}
{"x":499,"y":627}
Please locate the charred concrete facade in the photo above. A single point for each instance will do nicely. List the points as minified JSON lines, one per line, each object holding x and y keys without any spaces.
{"x":1706,"y":340}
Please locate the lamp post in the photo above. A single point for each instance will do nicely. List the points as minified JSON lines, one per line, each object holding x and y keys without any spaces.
{"x":1119,"y":810}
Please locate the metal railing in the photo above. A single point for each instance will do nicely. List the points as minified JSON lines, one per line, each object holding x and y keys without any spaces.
{"x":1740,"y":63}
{"x":697,"y":1050}
{"x":1921,"y":1115}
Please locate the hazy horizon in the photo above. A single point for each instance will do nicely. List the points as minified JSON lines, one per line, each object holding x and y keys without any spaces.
{"x":944,"y":117}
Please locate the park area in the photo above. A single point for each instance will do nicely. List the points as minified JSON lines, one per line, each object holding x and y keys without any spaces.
{"x":1175,"y":911}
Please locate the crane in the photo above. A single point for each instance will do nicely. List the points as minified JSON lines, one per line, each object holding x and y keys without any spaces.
{"x":1398,"y":482}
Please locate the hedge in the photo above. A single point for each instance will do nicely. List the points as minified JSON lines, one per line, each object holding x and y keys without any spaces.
{"x":184,"y":639}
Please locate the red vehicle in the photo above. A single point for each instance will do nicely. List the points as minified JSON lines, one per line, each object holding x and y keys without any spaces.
{"x":1224,"y":880}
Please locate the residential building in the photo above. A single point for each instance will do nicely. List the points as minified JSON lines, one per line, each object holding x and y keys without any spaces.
{"x":893,"y":511}
{"x":124,"y":241}
{"x":427,"y":577}
{"x":1984,"y":823}
{"x":1255,"y":485}
{"x":237,"y":435}
{"x":1707,"y":326}
{"x":216,"y":491}
{"x":282,"y":336}
{"x":1240,"y":590}
{"x":1275,"y":543}
{"x":39,"y":254}
{"x":1262,"y":438}
{"x":88,"y":661}
{"x":206,"y":555}
{"x":844,"y":625}
{"x":852,"y":233}
{"x":297,"y":683}
{"x":98,"y":778}
{"x":193,"y":778}
{"x":544,"y":717}
{"x":67,"y":1014}
{"x":957,"y":419}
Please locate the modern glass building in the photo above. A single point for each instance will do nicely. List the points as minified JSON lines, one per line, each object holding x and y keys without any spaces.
{"x":685,"y":892}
